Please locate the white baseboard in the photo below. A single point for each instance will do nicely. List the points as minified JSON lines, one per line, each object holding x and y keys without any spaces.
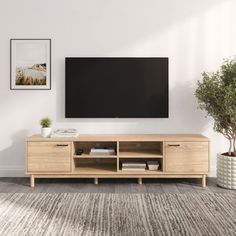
{"x":12,"y":171}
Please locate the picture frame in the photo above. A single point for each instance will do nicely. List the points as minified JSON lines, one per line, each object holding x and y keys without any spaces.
{"x":30,"y":64}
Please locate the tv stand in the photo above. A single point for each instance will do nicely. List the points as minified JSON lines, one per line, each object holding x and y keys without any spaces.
{"x":179,"y":155}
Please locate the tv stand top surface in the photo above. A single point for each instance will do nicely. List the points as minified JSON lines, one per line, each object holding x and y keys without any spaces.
{"x":126,"y":137}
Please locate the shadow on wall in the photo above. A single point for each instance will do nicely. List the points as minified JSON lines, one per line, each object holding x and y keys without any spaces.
{"x":13,"y":154}
{"x":184,"y":113}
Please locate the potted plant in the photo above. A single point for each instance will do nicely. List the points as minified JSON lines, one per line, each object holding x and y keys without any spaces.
{"x":46,"y":129}
{"x":216,"y":94}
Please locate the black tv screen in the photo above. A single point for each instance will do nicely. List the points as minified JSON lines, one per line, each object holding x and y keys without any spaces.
{"x":106,"y":87}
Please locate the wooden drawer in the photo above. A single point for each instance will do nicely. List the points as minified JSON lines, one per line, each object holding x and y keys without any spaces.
{"x":49,"y":156}
{"x":187,"y":157}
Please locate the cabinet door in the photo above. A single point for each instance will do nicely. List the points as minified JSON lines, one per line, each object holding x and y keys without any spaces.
{"x":49,"y":156}
{"x":187,"y":157}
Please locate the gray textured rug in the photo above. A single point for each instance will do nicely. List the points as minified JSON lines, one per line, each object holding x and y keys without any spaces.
{"x":117,"y":214}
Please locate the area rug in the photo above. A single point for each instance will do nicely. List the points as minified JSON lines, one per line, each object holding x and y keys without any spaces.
{"x":117,"y":214}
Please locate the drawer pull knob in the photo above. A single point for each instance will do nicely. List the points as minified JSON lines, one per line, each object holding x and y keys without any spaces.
{"x":173,"y":145}
{"x":62,"y":145}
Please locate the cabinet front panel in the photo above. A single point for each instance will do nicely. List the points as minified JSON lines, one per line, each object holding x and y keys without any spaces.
{"x":187,"y":157}
{"x":49,"y":156}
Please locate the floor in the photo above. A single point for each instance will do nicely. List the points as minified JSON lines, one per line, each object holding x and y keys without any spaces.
{"x":21,"y":185}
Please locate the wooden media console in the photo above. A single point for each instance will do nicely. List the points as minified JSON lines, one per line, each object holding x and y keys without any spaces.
{"x":179,"y":155}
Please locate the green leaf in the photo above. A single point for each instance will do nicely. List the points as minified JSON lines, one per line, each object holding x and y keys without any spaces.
{"x":45,"y":122}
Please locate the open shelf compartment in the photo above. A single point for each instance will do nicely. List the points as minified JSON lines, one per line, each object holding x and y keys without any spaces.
{"x":141,"y":149}
{"x":95,"y":166}
{"x":141,"y":160}
{"x":86,"y":147}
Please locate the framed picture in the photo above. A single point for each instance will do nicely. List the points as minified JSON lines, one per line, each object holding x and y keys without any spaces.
{"x":30,"y":64}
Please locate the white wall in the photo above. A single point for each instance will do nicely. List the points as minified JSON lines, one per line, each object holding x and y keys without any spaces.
{"x":195,"y":35}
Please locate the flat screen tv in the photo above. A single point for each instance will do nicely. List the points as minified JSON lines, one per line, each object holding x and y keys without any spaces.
{"x":121,"y":87}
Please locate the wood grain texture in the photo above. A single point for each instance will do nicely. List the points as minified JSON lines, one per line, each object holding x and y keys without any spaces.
{"x":140,"y":154}
{"x":88,"y":156}
{"x":86,"y":146}
{"x":126,"y":137}
{"x":186,"y":157}
{"x":111,"y":174}
{"x":32,"y":182}
{"x":140,"y":148}
{"x":48,"y":156}
{"x":181,"y":156}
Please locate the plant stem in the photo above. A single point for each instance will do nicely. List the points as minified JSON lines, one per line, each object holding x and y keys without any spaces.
{"x":230,"y":146}
{"x":234,"y":147}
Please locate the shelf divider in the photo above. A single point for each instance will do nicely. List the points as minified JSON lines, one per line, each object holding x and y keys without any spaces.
{"x":87,"y":156}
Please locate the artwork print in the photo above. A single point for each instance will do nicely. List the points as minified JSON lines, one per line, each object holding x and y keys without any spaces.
{"x":30,"y":64}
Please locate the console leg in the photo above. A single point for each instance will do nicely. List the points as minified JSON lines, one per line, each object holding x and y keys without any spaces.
{"x":140,"y":181}
{"x":32,"y":181}
{"x":95,"y":180}
{"x":204,"y":181}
